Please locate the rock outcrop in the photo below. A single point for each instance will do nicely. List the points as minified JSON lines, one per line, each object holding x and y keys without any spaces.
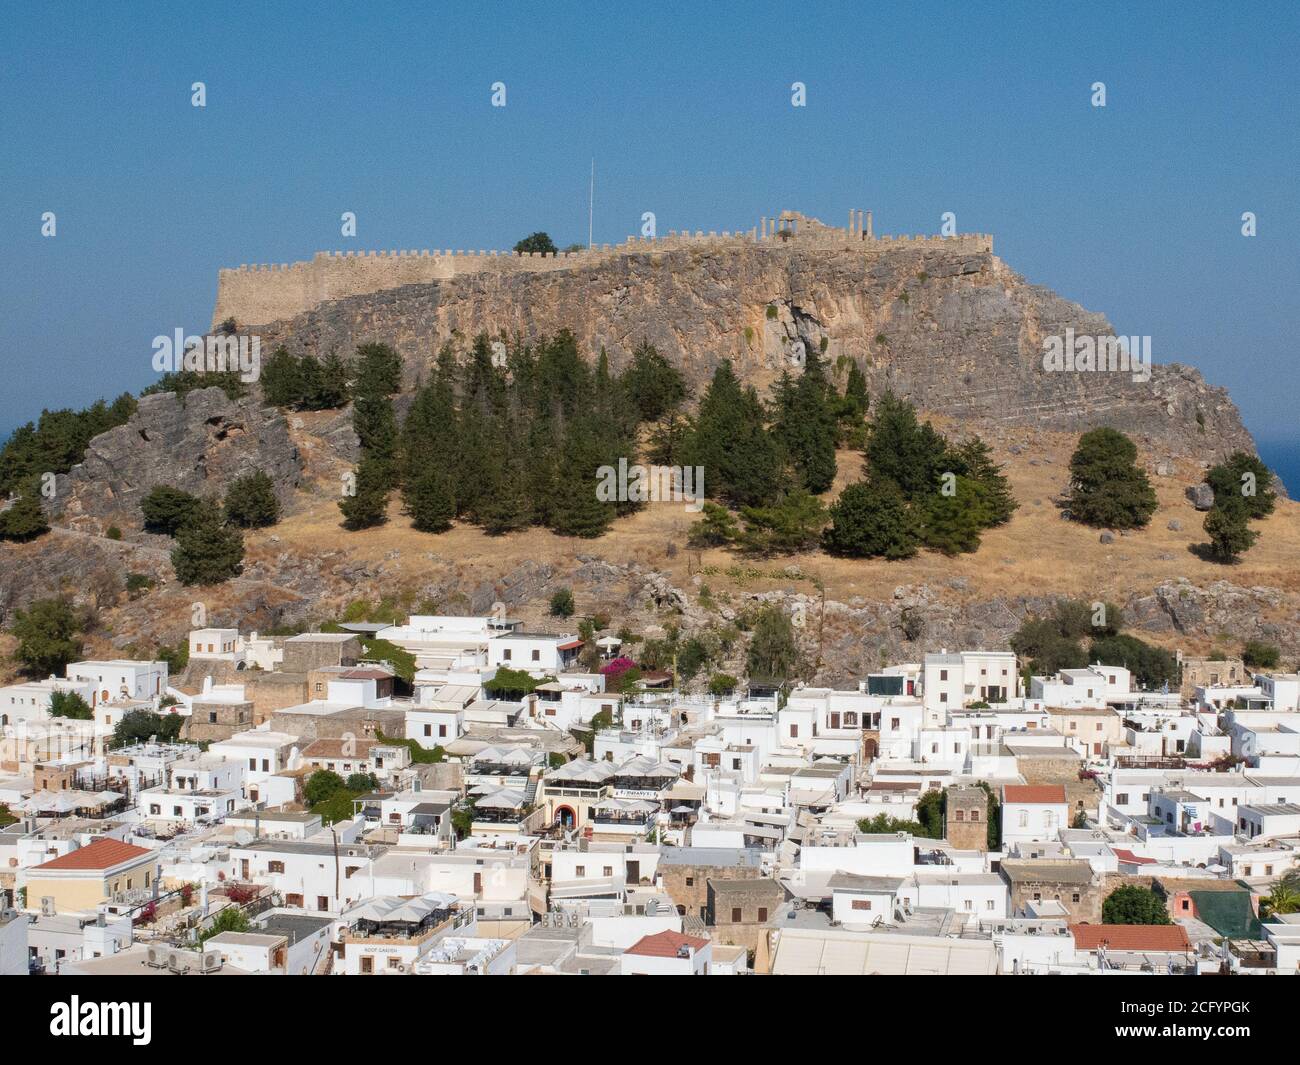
{"x":198,"y":443}
{"x":956,"y":331}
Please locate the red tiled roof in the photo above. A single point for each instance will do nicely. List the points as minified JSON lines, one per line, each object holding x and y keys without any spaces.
{"x":665,"y":945}
{"x":1033,"y":793}
{"x":570,"y":645}
{"x":102,"y":854}
{"x":1131,"y":858}
{"x":1142,"y":937}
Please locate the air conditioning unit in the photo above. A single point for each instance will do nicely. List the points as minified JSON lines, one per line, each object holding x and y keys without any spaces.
{"x":48,"y":906}
{"x":176,"y":961}
{"x":156,"y":957}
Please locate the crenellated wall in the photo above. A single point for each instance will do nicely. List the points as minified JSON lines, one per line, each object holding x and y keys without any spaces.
{"x":260,"y":294}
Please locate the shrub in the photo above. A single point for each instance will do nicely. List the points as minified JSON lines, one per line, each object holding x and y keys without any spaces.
{"x":562,"y":605}
{"x":251,"y":502}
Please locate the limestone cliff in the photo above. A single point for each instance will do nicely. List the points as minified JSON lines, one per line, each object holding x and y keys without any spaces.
{"x":947,"y":325}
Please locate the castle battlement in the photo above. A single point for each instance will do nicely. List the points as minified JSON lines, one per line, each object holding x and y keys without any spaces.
{"x":266,"y":292}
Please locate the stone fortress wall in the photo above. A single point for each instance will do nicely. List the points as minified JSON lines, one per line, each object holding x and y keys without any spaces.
{"x":260,"y":294}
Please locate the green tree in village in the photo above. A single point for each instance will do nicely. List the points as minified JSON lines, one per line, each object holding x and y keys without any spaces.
{"x":47,"y":632}
{"x":1133,"y":904}
{"x":773,"y":656}
{"x":562,"y":605}
{"x":70,"y":705}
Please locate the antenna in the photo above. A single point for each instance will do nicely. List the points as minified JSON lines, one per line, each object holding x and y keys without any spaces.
{"x":591,"y":201}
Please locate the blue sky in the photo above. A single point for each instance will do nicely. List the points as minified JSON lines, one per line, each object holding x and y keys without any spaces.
{"x":912,"y":110}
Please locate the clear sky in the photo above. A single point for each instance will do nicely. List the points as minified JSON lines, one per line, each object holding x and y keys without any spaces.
{"x":912,"y":110}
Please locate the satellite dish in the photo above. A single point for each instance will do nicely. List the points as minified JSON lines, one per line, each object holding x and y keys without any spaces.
{"x":243,"y":837}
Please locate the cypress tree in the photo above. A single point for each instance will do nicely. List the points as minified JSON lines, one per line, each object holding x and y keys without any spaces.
{"x":430,"y":502}
{"x":368,"y":505}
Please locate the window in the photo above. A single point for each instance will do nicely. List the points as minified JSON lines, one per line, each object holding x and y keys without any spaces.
{"x":794,"y":731}
{"x":943,"y":674}
{"x":762,"y":913}
{"x":690,"y":881}
{"x":428,"y":730}
{"x":275,"y":867}
{"x":1074,"y":897}
{"x":505,"y":654}
{"x":609,"y":871}
{"x":537,"y":655}
{"x":442,"y":731}
{"x":861,"y":904}
{"x":960,"y":815}
{"x":394,"y":962}
{"x":580,"y":870}
{"x":974,"y":815}
{"x":893,"y":723}
{"x":735,"y":915}
{"x":943,"y":697}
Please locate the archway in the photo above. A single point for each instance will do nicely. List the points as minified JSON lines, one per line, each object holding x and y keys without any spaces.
{"x":565,"y":817}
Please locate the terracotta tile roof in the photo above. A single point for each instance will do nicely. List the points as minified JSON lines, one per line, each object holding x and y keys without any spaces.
{"x":570,"y":645}
{"x":1141,"y":937}
{"x":102,"y":854}
{"x":334,"y":748}
{"x":665,"y":945}
{"x":1131,"y":858}
{"x":1033,"y":793}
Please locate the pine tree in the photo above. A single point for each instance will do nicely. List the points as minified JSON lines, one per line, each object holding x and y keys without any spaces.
{"x":578,"y":509}
{"x":207,"y":550}
{"x":1228,"y":526}
{"x":1245,"y":476}
{"x":1107,"y":489}
{"x":368,"y":505}
{"x":24,"y":519}
{"x":430,"y":502}
{"x":872,"y":519}
{"x":974,"y":458}
{"x":805,"y":424}
{"x":910,"y":454}
{"x":281,"y":378}
{"x":504,"y":505}
{"x":952,"y":523}
{"x":251,"y":502}
{"x":741,"y":461}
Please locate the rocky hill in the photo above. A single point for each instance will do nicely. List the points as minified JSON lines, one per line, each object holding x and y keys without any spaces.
{"x":953,"y":329}
{"x":948,"y":325}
